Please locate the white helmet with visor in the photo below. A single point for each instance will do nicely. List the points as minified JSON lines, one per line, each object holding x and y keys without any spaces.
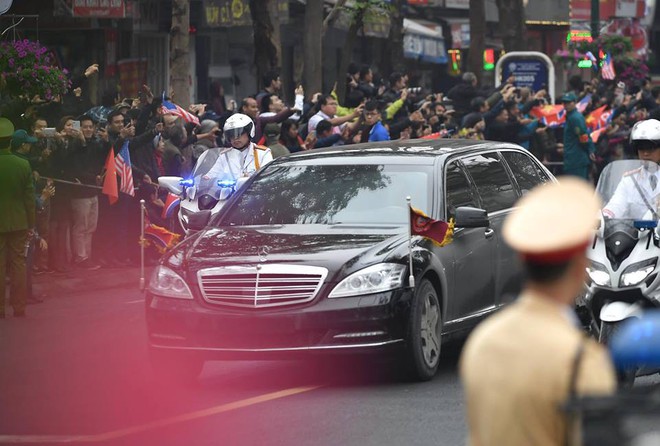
{"x":236,"y":125}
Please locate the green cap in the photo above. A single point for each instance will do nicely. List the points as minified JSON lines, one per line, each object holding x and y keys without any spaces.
{"x":21,"y":136}
{"x":568,"y":97}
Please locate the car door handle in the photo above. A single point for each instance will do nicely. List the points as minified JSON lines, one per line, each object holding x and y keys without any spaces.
{"x":489,"y":232}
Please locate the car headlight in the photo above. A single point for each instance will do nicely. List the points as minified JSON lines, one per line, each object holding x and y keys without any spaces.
{"x":598,"y":274}
{"x":165,"y":282}
{"x":637,"y":272}
{"x":374,"y":279}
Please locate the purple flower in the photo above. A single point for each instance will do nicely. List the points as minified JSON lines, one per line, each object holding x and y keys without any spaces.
{"x":11,"y":62}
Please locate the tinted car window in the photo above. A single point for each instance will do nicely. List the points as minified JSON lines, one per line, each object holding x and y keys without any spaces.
{"x":526,"y":172}
{"x":458,"y":190}
{"x":493,"y":183}
{"x":332,"y":194}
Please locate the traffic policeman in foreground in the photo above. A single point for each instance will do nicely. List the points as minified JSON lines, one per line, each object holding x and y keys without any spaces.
{"x":638,"y":193}
{"x":516,"y":366}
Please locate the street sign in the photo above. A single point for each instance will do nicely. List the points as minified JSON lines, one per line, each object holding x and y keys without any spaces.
{"x":530,"y":69}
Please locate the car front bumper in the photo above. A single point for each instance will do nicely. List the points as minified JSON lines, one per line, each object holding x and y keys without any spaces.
{"x":363,"y":324}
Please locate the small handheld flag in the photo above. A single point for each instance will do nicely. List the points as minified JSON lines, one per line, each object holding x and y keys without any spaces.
{"x":171,"y":202}
{"x":170,"y":108}
{"x":110,"y":179}
{"x":123,"y":166}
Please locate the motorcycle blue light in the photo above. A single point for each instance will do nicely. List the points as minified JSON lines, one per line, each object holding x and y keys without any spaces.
{"x":645,"y":224}
{"x":226,"y":183}
{"x":187,"y":183}
{"x":636,"y":343}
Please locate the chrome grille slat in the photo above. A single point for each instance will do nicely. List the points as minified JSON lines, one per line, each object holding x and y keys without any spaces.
{"x":269,"y":286}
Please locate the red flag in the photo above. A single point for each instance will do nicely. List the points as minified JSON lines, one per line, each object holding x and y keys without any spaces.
{"x":596,"y":134}
{"x":594,"y":119}
{"x":437,"y":230}
{"x":171,"y":202}
{"x":162,"y":238}
{"x":550,"y":115}
{"x":110,"y":180}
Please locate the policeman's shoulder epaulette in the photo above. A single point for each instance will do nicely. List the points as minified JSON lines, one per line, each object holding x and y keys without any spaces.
{"x":258,"y":147}
{"x":631,"y":172}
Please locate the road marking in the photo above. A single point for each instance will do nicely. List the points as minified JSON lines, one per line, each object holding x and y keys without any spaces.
{"x":112,"y":435}
{"x":141,"y":301}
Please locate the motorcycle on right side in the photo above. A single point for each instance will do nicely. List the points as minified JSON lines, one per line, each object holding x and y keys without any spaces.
{"x":624,"y":274}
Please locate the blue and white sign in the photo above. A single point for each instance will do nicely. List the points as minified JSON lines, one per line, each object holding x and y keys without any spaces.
{"x":530,"y":73}
{"x":530,"y":68}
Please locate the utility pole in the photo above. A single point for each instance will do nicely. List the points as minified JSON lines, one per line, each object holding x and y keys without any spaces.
{"x":595,"y":19}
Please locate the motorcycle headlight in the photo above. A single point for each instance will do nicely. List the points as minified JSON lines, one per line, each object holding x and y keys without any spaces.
{"x":165,"y":282}
{"x":374,"y":279}
{"x":637,"y":272}
{"x":598,"y":274}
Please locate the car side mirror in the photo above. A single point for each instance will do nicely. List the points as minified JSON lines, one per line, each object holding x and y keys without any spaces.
{"x":469,"y":217}
{"x":636,"y":342}
{"x":199,"y":220}
{"x":172,"y":184}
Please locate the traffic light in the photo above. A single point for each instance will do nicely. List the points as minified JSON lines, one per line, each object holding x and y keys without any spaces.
{"x":489,"y":59}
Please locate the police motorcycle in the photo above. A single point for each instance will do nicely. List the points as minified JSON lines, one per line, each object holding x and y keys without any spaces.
{"x":624,"y":274}
{"x":208,"y":188}
{"x":216,"y":176}
{"x":629,"y":416}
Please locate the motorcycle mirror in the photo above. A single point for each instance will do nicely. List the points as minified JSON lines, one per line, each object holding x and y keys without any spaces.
{"x":636,"y":343}
{"x":172,"y":184}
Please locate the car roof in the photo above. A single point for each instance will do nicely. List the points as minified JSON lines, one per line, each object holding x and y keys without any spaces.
{"x":424,"y":150}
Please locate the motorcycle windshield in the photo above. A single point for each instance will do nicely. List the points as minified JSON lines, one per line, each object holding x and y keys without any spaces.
{"x":630,"y":190}
{"x":215,"y":173}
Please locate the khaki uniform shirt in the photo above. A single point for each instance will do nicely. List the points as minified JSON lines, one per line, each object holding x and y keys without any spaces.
{"x":516,"y":369}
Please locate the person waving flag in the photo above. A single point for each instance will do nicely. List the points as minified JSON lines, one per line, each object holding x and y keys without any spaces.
{"x":123,"y":166}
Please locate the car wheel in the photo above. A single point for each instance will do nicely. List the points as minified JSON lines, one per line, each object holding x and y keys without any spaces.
{"x":176,"y":367}
{"x":424,"y":330}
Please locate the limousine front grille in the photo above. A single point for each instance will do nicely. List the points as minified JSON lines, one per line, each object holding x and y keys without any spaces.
{"x":261,"y":286}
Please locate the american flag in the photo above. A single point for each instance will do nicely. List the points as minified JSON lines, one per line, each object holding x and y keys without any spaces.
{"x":583,"y":103}
{"x":607,"y":70}
{"x":123,"y":166}
{"x":169,"y":108}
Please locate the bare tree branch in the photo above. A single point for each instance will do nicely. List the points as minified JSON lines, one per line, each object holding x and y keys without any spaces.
{"x":332,"y":16}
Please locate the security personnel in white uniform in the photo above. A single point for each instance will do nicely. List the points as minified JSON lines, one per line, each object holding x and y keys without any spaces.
{"x":638,"y":194}
{"x":238,"y":132}
{"x":517,"y":365}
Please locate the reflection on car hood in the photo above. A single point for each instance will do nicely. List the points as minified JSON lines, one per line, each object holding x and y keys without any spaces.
{"x":318,"y":246}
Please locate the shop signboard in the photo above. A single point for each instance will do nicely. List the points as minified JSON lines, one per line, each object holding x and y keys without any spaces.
{"x":132,"y":75}
{"x":110,"y":9}
{"x":228,"y":13}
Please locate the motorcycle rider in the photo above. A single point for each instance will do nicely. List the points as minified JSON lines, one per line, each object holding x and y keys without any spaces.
{"x":638,"y":191}
{"x":244,"y":157}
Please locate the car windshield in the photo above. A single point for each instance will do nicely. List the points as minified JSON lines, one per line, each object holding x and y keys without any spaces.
{"x":630,"y":190}
{"x":332,"y":194}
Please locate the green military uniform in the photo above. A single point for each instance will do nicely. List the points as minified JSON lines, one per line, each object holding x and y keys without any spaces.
{"x":17,"y":216}
{"x":577,"y":143}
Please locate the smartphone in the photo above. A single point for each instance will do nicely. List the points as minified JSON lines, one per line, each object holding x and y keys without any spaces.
{"x":76,"y":125}
{"x":49,"y":132}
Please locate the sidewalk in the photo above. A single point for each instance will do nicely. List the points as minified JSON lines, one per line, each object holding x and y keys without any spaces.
{"x":80,"y":281}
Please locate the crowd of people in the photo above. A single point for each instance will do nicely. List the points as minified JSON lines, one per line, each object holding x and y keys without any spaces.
{"x":67,"y":141}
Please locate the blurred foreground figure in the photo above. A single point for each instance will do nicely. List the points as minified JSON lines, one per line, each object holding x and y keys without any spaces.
{"x":516,"y":367}
{"x":17,"y":214}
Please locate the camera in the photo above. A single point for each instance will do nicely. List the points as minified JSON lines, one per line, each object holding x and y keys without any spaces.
{"x":414,"y":90}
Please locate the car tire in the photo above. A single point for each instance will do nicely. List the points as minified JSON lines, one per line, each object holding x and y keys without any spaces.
{"x":176,"y":367}
{"x":423,"y":337}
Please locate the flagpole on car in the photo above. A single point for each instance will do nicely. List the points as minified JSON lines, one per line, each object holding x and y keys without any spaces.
{"x":411,"y":277}
{"x":142,"y":211}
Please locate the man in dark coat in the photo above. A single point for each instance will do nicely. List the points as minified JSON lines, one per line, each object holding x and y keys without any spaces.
{"x":17,"y":214}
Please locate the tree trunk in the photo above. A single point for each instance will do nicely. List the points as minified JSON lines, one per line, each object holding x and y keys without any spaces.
{"x":512,"y":24}
{"x":179,"y":55}
{"x":394,"y":57}
{"x":267,"y":42}
{"x":313,"y":47}
{"x":477,"y":37}
{"x":347,"y":53}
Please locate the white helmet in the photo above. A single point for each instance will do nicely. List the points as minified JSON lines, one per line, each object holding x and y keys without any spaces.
{"x":646,"y":135}
{"x":236,"y":125}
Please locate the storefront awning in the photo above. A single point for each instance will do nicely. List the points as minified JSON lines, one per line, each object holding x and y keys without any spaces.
{"x":423,"y":40}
